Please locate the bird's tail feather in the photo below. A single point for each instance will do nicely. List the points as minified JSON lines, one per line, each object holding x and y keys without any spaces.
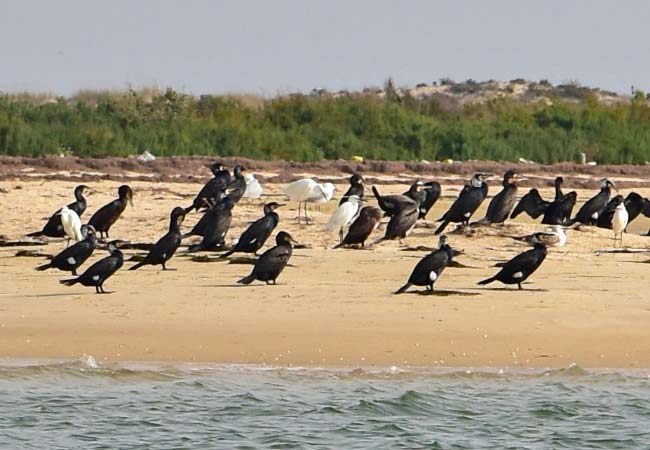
{"x":35,"y":233}
{"x":442,"y":227}
{"x":247,"y":280}
{"x":69,"y":282}
{"x":487,"y":281}
{"x":195,"y":248}
{"x":43,"y":267}
{"x":403,"y":288}
{"x":137,"y":266}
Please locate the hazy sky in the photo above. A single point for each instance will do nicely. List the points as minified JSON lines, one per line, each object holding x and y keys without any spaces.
{"x":271,"y":46}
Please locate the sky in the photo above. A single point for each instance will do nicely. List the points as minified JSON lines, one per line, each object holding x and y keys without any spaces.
{"x":270,"y":47}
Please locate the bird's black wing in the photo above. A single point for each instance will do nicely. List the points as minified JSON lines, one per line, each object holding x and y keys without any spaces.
{"x":256,"y":234}
{"x":100,"y":270}
{"x":210,"y":190}
{"x":273,"y":260}
{"x":392,"y":204}
{"x":363,"y":225}
{"x":532,"y":204}
{"x":468,"y":201}
{"x":164,"y":248}
{"x":107,"y":215}
{"x":401,"y":223}
{"x":606,"y":216}
{"x":73,"y":256}
{"x":526,"y":262}
{"x":433,"y":262}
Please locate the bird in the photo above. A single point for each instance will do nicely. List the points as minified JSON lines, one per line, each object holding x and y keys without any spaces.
{"x":272,"y":262}
{"x":217,"y":184}
{"x":107,"y":215}
{"x":468,"y":201}
{"x":344,"y":215}
{"x":589,"y":212}
{"x":414,"y":193}
{"x":255,"y":236}
{"x":366,"y":222}
{"x":237,"y":186}
{"x":306,"y":191}
{"x":519,"y":268}
{"x":432,"y":191}
{"x":554,"y":236}
{"x":217,"y":225}
{"x":163,"y":250}
{"x":199,"y":227}
{"x":71,"y":224}
{"x":619,"y":220}
{"x":428,"y":269}
{"x":635,"y":205}
{"x":556,"y":212}
{"x":501,"y":204}
{"x":53,"y":227}
{"x":74,"y":256}
{"x":391,"y":204}
{"x":356,"y":188}
{"x":97,"y":274}
{"x":253,"y":187}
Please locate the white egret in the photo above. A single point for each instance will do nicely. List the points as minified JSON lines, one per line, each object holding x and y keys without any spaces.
{"x":344,"y":215}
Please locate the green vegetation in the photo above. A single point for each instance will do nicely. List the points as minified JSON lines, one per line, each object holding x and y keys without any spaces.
{"x":395,"y":126}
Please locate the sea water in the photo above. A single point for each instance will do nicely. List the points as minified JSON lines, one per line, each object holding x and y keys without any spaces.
{"x":79,"y":405}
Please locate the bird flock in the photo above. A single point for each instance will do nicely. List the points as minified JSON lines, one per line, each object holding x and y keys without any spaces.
{"x":353,"y":222}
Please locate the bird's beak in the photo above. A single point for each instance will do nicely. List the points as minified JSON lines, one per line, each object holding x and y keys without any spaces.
{"x":280,"y":204}
{"x":180,"y":219}
{"x":131,"y":200}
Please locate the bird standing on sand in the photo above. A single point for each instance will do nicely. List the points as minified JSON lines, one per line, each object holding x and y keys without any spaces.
{"x":53,"y":227}
{"x":589,"y":212}
{"x":519,"y":268}
{"x":237,"y":186}
{"x":217,"y":224}
{"x":306,"y":191}
{"x":272,"y":262}
{"x":343,"y":215}
{"x":215,"y":186}
{"x":468,"y":201}
{"x":356,"y":188}
{"x":253,"y":187}
{"x":255,"y":236}
{"x":99,"y":272}
{"x":164,"y":249}
{"x":619,"y":220}
{"x":403,"y":212}
{"x":107,"y":215}
{"x":71,"y":224}
{"x":555,"y":212}
{"x":501,"y":204}
{"x":74,"y":256}
{"x":367,"y":221}
{"x":428,"y":269}
{"x":432,"y":191}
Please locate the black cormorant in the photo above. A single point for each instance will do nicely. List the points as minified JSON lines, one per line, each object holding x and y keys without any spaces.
{"x":555,"y":212}
{"x":217,"y":225}
{"x":54,"y":227}
{"x":415,"y":193}
{"x":73,"y":257}
{"x":216,"y":185}
{"x":428,"y":269}
{"x":432,"y":191}
{"x":272,"y":262}
{"x":359,"y":231}
{"x":237,"y":186}
{"x":391,"y":204}
{"x":501,"y":204}
{"x":605,"y":217}
{"x":635,"y":205}
{"x":519,"y":268}
{"x":164,"y":249}
{"x":107,"y":215}
{"x":589,"y":212}
{"x":404,"y":215}
{"x":356,"y":188}
{"x":100,"y":271}
{"x":254,"y":237}
{"x":468,"y":201}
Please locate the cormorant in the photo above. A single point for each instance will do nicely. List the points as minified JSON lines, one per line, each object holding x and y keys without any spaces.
{"x":258,"y":232}
{"x":367,"y":221}
{"x":343,"y":215}
{"x":217,"y":184}
{"x":519,"y":268}
{"x":404,"y":215}
{"x":199,"y":227}
{"x":107,"y":215}
{"x":555,"y":212}
{"x":73,"y":257}
{"x":356,"y":188}
{"x":163,"y":250}
{"x":428,"y":269}
{"x":53,"y":227}
{"x":589,"y":212}
{"x":532,"y":204}
{"x":468,"y":201}
{"x":391,"y":204}
{"x":99,"y":272}
{"x":501,"y":204}
{"x":635,"y":205}
{"x":414,"y":193}
{"x":272,"y":262}
{"x":237,"y":187}
{"x":432,"y":191}
{"x":607,"y":214}
{"x":216,"y":226}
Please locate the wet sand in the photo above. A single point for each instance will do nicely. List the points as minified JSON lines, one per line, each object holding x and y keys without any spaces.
{"x":331,"y":307}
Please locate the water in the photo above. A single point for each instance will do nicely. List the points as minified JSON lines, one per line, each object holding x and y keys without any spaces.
{"x":81,"y":406}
